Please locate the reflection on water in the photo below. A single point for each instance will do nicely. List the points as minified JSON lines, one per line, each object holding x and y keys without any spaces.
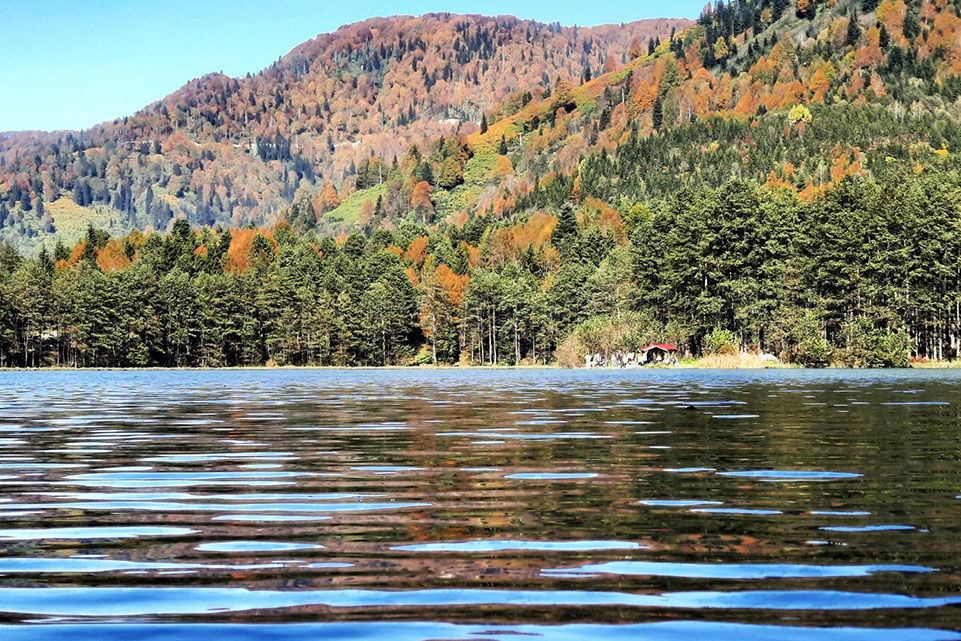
{"x":88,"y":533}
{"x":730,"y":570}
{"x":418,"y":631}
{"x":415,"y":506}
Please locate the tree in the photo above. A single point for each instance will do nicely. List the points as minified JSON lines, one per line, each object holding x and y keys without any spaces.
{"x":657,"y":113}
{"x":261,"y":253}
{"x":420,"y":200}
{"x":854,"y":31}
{"x":424,"y":172}
{"x":451,"y":174}
{"x":911,"y":26}
{"x":721,"y":49}
{"x":389,"y":310}
{"x":799,"y":114}
{"x":884,"y":37}
{"x":812,"y":348}
{"x":806,"y":8}
{"x":563,"y":96}
{"x":566,"y":228}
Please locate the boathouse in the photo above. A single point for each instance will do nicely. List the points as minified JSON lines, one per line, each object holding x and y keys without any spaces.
{"x":659,"y":353}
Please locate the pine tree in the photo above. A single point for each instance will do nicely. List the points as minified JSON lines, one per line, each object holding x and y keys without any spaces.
{"x":657,"y":113}
{"x":884,"y":39}
{"x":566,"y":227}
{"x":854,"y":31}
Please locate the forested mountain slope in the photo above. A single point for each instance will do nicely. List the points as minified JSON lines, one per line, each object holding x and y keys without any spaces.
{"x":236,"y":151}
{"x":789,"y":95}
{"x":778,"y":177}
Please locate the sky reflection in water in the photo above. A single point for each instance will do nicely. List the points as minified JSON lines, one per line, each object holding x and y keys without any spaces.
{"x":480,"y":505}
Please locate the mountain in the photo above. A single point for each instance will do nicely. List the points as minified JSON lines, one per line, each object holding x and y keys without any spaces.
{"x":439,"y":118}
{"x":790,"y":95}
{"x":236,"y":151}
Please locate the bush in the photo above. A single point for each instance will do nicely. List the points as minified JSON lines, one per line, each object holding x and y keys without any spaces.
{"x":721,"y":341}
{"x":570,"y":353}
{"x":868,"y":346}
{"x":811,"y":349}
{"x":424,"y":356}
{"x":892,"y":348}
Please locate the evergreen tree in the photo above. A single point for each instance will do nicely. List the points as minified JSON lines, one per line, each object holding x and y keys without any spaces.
{"x":657,"y":113}
{"x":566,"y":228}
{"x":854,"y":31}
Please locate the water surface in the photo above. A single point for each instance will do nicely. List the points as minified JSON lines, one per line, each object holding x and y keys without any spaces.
{"x":491,"y":505}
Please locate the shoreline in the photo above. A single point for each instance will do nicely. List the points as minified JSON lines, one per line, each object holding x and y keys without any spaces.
{"x":691,"y":365}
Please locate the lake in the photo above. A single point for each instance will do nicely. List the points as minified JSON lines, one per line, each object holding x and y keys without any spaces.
{"x":396,"y":505}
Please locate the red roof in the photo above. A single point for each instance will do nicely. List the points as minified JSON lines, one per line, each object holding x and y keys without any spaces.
{"x":667,"y":347}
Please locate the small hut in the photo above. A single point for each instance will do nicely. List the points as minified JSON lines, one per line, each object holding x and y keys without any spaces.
{"x":659,"y":353}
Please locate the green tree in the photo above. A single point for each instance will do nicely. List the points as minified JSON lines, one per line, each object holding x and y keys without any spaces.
{"x":451,"y":174}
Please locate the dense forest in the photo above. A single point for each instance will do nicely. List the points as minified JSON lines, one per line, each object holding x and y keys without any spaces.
{"x":511,"y":116}
{"x":237,"y":151}
{"x":779,"y":176}
{"x":868,"y":274}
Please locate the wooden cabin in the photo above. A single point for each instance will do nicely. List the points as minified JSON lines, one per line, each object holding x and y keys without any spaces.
{"x":659,"y":353}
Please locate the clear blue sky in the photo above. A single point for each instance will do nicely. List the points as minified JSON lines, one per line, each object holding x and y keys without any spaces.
{"x":69,"y":64}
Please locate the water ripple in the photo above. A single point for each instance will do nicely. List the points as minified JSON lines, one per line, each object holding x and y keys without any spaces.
{"x":508,"y":503}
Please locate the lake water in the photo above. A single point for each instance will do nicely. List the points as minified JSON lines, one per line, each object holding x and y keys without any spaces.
{"x":412,"y":506}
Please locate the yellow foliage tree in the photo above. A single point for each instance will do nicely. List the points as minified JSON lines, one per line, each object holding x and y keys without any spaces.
{"x":799,"y":114}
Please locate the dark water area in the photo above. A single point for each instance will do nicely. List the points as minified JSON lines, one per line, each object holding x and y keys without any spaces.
{"x":480,"y":505}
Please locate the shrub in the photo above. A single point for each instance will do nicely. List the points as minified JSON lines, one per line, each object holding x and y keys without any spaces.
{"x":721,"y":341}
{"x":892,"y":348}
{"x":868,"y":346}
{"x":570,"y":353}
{"x":811,"y":349}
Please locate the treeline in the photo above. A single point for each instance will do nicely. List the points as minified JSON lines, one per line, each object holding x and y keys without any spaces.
{"x":868,"y":268}
{"x":866,"y":263}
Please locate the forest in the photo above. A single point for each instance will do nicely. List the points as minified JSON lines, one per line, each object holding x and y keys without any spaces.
{"x":867,"y":274}
{"x":510,"y":116}
{"x":235,"y":151}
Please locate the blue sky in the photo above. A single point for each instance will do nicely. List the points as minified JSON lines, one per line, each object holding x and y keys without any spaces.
{"x":69,"y":64}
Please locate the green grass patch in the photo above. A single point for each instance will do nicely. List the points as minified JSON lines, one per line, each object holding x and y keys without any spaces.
{"x":349,"y":210}
{"x":71,"y":220}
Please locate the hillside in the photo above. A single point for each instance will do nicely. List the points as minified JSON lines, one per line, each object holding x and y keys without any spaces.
{"x":236,"y":151}
{"x":797,"y":96}
{"x":437,"y":119}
